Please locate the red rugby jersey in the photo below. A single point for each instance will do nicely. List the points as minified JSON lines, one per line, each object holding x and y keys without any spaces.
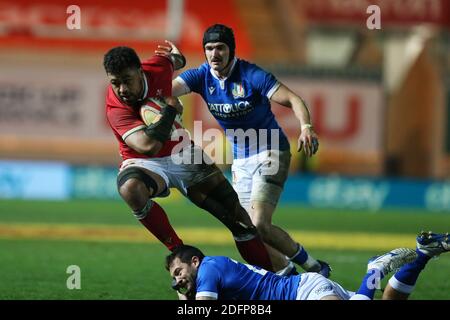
{"x":125,"y":119}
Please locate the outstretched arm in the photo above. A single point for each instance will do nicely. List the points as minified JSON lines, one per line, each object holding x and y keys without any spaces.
{"x":308,"y":138}
{"x":171,"y":51}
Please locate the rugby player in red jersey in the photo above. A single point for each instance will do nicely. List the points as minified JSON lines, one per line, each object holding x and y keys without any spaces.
{"x":148,"y":169}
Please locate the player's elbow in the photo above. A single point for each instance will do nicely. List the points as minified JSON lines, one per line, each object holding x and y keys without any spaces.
{"x":151,"y":147}
{"x":143,"y":144}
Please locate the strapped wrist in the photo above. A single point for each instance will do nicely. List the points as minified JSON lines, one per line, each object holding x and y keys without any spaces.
{"x":162,"y":129}
{"x":178,"y":59}
{"x":306,"y":126}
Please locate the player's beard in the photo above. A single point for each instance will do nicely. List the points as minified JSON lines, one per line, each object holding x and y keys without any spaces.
{"x":191,"y":286}
{"x":133,"y":99}
{"x":210,"y":62}
{"x":130,"y":101}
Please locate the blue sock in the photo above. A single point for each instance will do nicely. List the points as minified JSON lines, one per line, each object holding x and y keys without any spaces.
{"x":303,"y":259}
{"x":300,"y":257}
{"x":370,"y":283}
{"x":409,"y":272}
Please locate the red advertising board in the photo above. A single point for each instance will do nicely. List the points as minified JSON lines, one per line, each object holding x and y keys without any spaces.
{"x":393,"y":12}
{"x":347,"y":115}
{"x":106,"y":23}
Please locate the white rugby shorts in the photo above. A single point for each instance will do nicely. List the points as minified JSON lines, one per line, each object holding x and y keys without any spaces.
{"x":314,"y":286}
{"x":261,"y":177}
{"x":175,"y":174}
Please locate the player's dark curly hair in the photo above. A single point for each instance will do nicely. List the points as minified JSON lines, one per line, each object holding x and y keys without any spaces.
{"x":118,"y":59}
{"x":185,"y":253}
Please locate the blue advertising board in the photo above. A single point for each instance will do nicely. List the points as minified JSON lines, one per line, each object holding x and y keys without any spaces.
{"x":367,"y":193}
{"x":59,"y":181}
{"x":34,"y":180}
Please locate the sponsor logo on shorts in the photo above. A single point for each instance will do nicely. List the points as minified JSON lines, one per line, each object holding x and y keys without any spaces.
{"x":323,"y":288}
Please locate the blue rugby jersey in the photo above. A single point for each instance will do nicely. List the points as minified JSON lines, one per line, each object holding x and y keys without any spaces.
{"x":226,"y":279}
{"x":240,"y":101}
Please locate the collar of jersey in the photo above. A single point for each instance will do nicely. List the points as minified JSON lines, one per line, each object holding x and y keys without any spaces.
{"x":145,"y":87}
{"x":231,"y":71}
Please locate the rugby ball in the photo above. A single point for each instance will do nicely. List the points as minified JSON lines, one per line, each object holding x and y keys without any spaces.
{"x":151,"y":113}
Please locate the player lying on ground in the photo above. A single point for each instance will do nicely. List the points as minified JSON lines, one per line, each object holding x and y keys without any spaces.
{"x":200,"y":277}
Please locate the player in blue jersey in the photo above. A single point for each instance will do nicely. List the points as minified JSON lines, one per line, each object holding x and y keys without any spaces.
{"x":238,"y":95}
{"x":200,"y":277}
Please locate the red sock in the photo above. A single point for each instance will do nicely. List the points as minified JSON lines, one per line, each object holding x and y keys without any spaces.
{"x":254,"y":252}
{"x":158,"y":224}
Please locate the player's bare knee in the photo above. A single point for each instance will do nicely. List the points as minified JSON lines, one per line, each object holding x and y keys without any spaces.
{"x":132,"y":187}
{"x":136,"y":187}
{"x":134,"y":193}
{"x":136,"y":180}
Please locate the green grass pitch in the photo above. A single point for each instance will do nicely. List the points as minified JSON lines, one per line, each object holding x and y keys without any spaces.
{"x":34,"y":267}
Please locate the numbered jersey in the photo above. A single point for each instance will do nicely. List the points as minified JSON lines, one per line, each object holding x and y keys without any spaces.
{"x":226,"y":279}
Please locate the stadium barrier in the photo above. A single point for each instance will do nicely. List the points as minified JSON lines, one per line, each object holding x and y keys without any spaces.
{"x":61,"y":181}
{"x":334,"y":191}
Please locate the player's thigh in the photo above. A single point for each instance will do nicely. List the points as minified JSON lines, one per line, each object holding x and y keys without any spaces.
{"x":269,"y":177}
{"x":242,"y":173}
{"x":200,"y":174}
